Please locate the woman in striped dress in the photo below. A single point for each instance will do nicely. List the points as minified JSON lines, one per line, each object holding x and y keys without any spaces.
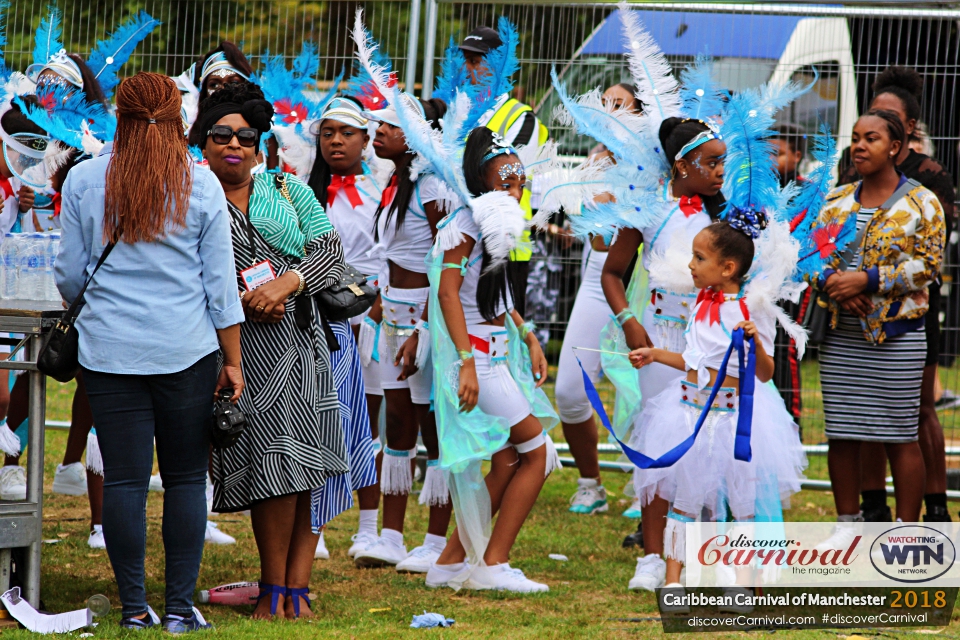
{"x":294,"y":442}
{"x":878,"y":304}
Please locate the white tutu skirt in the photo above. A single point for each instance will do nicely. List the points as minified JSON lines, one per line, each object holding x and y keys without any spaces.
{"x":708,"y":475}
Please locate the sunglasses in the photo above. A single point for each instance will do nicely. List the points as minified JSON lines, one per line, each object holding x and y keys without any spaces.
{"x":222,"y":134}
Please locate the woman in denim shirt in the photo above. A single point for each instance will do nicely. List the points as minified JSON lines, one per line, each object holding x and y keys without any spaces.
{"x":158,"y":310}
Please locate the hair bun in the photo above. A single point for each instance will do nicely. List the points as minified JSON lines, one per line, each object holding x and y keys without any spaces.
{"x":259,"y":113}
{"x":906,"y":78}
{"x":748,"y":221}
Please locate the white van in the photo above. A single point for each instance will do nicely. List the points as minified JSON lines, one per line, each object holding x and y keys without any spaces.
{"x":748,"y":50}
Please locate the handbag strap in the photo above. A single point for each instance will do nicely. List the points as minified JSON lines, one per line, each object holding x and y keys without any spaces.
{"x":849,"y":253}
{"x":73,"y":310}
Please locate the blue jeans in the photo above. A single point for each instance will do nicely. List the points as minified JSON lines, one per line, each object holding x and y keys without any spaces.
{"x":131,"y":412}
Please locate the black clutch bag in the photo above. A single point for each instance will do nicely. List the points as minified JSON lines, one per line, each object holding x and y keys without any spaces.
{"x":349,"y":297}
{"x":59,"y":357}
{"x":228,"y":422}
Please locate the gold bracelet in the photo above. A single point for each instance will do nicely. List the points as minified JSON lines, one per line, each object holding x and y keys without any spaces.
{"x":303,"y":281}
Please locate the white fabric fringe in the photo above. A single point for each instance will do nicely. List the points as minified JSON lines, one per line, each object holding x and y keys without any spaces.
{"x":435,"y":492}
{"x":553,"y":458}
{"x":395,"y":475}
{"x":94,"y":458}
{"x":423,"y":345}
{"x":367,"y":340}
{"x":675,"y":540}
{"x":9,"y":442}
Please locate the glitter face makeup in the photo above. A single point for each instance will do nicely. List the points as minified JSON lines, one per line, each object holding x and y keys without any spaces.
{"x":514,"y":169}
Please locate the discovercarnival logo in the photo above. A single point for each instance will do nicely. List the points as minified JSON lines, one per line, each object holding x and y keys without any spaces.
{"x":912,"y":553}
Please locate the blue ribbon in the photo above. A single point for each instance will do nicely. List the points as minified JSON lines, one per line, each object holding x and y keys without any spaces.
{"x":741,"y":446}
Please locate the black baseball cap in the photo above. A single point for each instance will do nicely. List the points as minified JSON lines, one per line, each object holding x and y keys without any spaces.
{"x":481,"y":40}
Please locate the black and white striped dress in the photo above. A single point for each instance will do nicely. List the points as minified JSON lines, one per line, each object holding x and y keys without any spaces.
{"x":871,"y":391}
{"x":294,"y":441}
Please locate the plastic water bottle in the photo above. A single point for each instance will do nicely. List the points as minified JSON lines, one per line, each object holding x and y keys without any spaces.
{"x":51,"y":247}
{"x":31,"y":267}
{"x":9,"y":260}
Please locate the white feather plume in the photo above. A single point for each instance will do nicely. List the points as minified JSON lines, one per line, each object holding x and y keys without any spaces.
{"x":366,"y":48}
{"x":501,"y":222}
{"x":56,"y":155}
{"x":670,"y":265}
{"x":656,"y":85}
{"x":91,"y":144}
{"x":17,"y":84}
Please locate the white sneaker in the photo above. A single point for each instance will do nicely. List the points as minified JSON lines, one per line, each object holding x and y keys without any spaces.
{"x":440,"y":575}
{"x":321,"y":553}
{"x":588,"y":500}
{"x":156,"y":484}
{"x":96,"y":541}
{"x":420,"y":559}
{"x":502,"y":577}
{"x":381,"y":553}
{"x":70,"y":480}
{"x":650,"y":574}
{"x":215,"y":536}
{"x":13,"y":483}
{"x":672,"y":604}
{"x":842,"y":537}
{"x":360,"y":542}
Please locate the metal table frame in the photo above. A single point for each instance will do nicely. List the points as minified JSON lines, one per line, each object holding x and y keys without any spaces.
{"x":21,"y":523}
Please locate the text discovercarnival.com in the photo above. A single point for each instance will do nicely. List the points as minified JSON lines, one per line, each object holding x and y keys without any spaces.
{"x":770,"y":575}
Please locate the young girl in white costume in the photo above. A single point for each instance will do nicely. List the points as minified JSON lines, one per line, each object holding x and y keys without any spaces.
{"x":405,"y":227}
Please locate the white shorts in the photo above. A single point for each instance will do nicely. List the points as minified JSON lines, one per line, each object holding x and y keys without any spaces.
{"x":500,"y":395}
{"x":401,"y":310}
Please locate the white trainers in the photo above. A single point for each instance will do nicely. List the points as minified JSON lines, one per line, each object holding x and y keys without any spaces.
{"x":502,"y":577}
{"x":440,"y":575}
{"x":13,"y":483}
{"x":381,"y":553}
{"x":588,"y":500}
{"x":70,"y":480}
{"x":360,"y":542}
{"x":215,"y":536}
{"x":420,"y":559}
{"x":321,"y":553}
{"x":156,"y":484}
{"x":96,"y":541}
{"x":842,"y":537}
{"x":650,"y":574}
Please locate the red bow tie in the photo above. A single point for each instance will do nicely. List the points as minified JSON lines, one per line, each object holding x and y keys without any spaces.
{"x":388,"y":194}
{"x":349,"y":186}
{"x":690,"y":206}
{"x":57,"y":203}
{"x":5,"y":188}
{"x":710,"y":309}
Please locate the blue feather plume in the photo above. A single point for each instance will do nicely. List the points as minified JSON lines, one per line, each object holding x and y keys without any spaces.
{"x":279,"y":82}
{"x":816,"y":185}
{"x":317,"y":106}
{"x":750,"y":179}
{"x":70,"y":111}
{"x":4,"y":71}
{"x":453,"y":74}
{"x":111,"y":54}
{"x":702,"y":97}
{"x":47,"y":39}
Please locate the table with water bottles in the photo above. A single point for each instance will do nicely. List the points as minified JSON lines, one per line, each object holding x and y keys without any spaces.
{"x":29,"y":307}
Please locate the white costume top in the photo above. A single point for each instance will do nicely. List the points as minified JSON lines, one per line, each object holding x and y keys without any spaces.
{"x":355,"y":224}
{"x":468,"y":290}
{"x":408,"y":246}
{"x":676,"y":227}
{"x":29,"y":219}
{"x":707,"y":342}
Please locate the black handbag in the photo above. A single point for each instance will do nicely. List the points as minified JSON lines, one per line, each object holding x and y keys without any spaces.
{"x":348,"y":297}
{"x":227,"y":422}
{"x":59,"y":356}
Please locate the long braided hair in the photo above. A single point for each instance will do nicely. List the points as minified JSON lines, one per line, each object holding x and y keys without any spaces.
{"x":149,"y":179}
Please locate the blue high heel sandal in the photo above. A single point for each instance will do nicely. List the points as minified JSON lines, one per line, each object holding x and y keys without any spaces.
{"x":296,"y":594}
{"x":274,"y":591}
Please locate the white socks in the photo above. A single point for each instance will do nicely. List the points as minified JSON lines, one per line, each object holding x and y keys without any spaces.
{"x":368,"y":522}
{"x":436,"y":542}
{"x":588,"y":483}
{"x":392,"y":536}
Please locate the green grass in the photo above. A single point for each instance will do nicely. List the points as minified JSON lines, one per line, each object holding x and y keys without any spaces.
{"x":588,"y":597}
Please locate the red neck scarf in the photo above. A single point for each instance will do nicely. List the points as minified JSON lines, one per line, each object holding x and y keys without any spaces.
{"x":710,"y":309}
{"x":389,"y":193}
{"x":691,"y":206}
{"x":5,"y":188}
{"x":349,"y":186}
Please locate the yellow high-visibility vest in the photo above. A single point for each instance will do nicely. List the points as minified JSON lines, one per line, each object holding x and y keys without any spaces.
{"x":502,"y":120}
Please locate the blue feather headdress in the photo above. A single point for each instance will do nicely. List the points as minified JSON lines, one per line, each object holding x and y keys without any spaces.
{"x":66,"y":116}
{"x":372,"y":83}
{"x":47,"y":40}
{"x":453,"y":75}
{"x":702,"y":97}
{"x":111,"y":54}
{"x":501,"y":64}
{"x":4,"y":70}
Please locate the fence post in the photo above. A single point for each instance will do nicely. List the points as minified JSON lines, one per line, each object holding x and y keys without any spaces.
{"x":412,"y":45}
{"x":429,"y":46}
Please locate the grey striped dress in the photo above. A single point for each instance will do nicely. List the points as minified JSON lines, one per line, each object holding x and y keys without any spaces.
{"x":294,"y":441}
{"x":871,"y":391}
